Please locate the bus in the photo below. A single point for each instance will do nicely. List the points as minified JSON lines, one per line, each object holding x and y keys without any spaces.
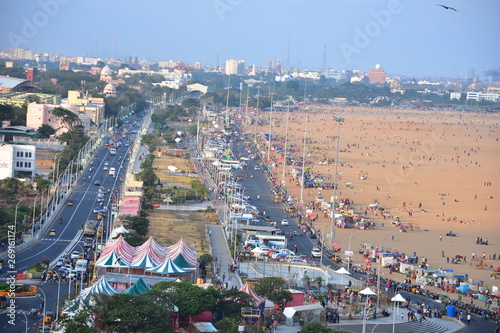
{"x":266,"y":240}
{"x":231,"y":163}
{"x":112,"y":151}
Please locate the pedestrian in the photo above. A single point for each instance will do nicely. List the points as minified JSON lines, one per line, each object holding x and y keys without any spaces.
{"x":468,"y":319}
{"x":440,"y":237}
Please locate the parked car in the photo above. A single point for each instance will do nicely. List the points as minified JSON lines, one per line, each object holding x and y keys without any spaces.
{"x":261,"y":251}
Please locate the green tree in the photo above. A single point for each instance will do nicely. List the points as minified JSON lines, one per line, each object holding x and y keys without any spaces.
{"x":6,"y":112}
{"x":45,"y":131}
{"x":67,"y":118}
{"x":190,"y":299}
{"x":231,"y":302}
{"x":131,"y":313}
{"x":41,"y":184}
{"x":133,"y":238}
{"x":274,"y":289}
{"x":318,"y":280}
{"x":9,"y":188}
{"x":313,"y":327}
{"x":228,"y":325}
{"x":138,"y":223}
{"x":306,"y":280}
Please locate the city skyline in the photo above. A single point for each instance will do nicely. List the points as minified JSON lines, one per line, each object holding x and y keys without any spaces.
{"x":405,"y":37}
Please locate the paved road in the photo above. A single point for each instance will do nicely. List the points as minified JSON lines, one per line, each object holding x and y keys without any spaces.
{"x":69,"y":234}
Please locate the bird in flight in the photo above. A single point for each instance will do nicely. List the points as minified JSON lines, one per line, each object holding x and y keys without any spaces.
{"x":446,"y":7}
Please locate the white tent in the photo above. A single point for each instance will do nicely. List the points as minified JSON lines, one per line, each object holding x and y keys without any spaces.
{"x":398,"y":298}
{"x":343,"y":271}
{"x":315,"y":309}
{"x":115,"y":232}
{"x":367,"y":291}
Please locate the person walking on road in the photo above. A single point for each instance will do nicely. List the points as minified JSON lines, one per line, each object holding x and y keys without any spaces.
{"x":468,"y":319}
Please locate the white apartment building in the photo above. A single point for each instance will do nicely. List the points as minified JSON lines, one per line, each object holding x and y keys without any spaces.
{"x":17,"y":158}
{"x":235,"y":67}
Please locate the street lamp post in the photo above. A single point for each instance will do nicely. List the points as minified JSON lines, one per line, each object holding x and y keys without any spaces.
{"x":334,"y":200}
{"x":349,"y":256}
{"x":15,"y":216}
{"x":378,"y":274}
{"x":44,"y":307}
{"x":33,"y":219}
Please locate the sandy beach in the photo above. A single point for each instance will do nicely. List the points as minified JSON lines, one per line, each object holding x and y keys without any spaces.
{"x":435,"y":169}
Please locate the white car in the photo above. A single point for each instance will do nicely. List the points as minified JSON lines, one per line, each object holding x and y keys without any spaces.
{"x":284,"y":222}
{"x":316,"y":253}
{"x":261,"y":251}
{"x":75,"y":255}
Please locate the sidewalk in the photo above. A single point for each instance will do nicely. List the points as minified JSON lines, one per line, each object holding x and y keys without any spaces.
{"x":220,"y":249}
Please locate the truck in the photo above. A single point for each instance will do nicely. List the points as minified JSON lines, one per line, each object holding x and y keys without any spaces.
{"x":90,"y":228}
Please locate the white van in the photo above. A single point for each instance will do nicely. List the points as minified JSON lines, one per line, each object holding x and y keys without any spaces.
{"x":112,"y":171}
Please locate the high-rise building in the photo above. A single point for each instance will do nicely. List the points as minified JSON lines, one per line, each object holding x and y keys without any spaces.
{"x":376,"y":75}
{"x":64,"y":64}
{"x":235,"y":67}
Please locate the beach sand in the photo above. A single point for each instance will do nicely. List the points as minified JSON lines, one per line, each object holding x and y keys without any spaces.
{"x":436,"y":169}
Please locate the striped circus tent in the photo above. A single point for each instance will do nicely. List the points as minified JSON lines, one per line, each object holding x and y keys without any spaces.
{"x":120,"y":252}
{"x":247,"y":289}
{"x":100,"y":287}
{"x":139,"y":287}
{"x":168,"y":267}
{"x":188,"y":252}
{"x":181,"y":261}
{"x":151,"y":249}
{"x":143,"y":261}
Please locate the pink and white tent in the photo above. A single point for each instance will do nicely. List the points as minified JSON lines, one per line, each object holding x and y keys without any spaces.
{"x":247,"y":289}
{"x":151,"y":249}
{"x":181,"y":247}
{"x":116,"y":254}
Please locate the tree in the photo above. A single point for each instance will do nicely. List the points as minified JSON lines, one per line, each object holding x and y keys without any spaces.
{"x":231,"y":302}
{"x":67,"y":118}
{"x":274,"y":289}
{"x":6,"y":112}
{"x":228,"y":325}
{"x":133,"y":238}
{"x":9,"y":188}
{"x":313,"y":327}
{"x":45,"y":131}
{"x":138,"y":223}
{"x":318,"y":280}
{"x":306,"y":281}
{"x":190,"y":299}
{"x":131,"y":313}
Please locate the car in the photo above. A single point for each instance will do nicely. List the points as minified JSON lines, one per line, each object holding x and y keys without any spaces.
{"x":53,"y":232}
{"x":297,"y":261}
{"x":279,"y":232}
{"x":284,"y":222}
{"x":72,"y":274}
{"x":96,"y":210}
{"x":106,"y":163}
{"x":106,"y":168}
{"x":127,"y":144}
{"x":315,"y":252}
{"x":59,"y":262}
{"x":88,"y":242}
{"x":261,"y":251}
{"x":97,"y":183}
{"x":67,"y":267}
{"x":102,"y":190}
{"x":256,"y":168}
{"x":75,"y":255}
{"x":62,"y":272}
{"x":104,"y":209}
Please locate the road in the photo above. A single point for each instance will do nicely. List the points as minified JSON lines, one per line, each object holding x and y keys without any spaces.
{"x":68,"y":233}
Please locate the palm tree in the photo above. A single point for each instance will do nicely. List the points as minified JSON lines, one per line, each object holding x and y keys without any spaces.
{"x":306,"y":281}
{"x":330,"y":287}
{"x":319,"y":282}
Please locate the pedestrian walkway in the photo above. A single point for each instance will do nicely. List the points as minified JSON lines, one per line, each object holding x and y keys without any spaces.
{"x":385,"y":324}
{"x":220,"y":250}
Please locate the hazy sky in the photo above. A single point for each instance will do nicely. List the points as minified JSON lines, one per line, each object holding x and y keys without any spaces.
{"x":405,"y":36}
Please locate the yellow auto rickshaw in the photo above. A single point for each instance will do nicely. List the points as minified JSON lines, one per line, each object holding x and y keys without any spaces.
{"x":277,"y":198}
{"x":70,"y":203}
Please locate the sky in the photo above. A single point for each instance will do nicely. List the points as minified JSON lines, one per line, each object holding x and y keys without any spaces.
{"x":406,"y":37}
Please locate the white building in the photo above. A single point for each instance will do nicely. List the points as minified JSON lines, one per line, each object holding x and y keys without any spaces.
{"x":17,"y":158}
{"x":235,"y":67}
{"x":455,"y":95}
{"x":480,"y":96}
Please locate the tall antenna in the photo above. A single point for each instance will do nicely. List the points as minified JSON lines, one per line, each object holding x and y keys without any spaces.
{"x":217,"y":65}
{"x":323,"y":65}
